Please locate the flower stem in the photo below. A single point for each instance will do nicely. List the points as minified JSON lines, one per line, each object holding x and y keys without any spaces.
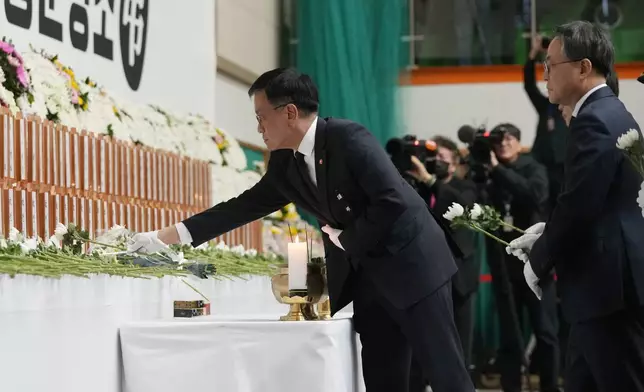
{"x":511,"y":226}
{"x":480,"y":230}
{"x":195,"y":289}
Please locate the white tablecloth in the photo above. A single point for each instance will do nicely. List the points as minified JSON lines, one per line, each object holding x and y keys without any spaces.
{"x":249,"y":354}
{"x":62,"y":335}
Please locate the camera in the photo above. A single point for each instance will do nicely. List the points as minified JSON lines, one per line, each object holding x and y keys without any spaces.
{"x":480,"y":142}
{"x":401,"y":150}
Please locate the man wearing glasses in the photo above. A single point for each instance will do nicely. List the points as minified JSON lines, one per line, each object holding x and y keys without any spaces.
{"x":384,"y":249}
{"x":593,"y":238}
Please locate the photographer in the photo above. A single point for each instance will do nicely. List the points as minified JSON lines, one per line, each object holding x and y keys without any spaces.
{"x":440,"y":190}
{"x":549,"y":145}
{"x":518,"y":189}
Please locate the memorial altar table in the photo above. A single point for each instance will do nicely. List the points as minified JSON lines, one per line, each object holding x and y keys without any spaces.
{"x":62,"y":334}
{"x":253,"y":353}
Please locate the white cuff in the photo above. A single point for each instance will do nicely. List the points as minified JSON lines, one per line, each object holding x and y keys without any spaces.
{"x":184,"y":235}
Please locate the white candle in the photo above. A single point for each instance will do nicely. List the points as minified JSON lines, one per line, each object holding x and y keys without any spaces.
{"x":297,"y":263}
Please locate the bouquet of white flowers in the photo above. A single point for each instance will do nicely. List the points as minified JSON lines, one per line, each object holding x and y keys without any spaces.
{"x":480,"y":218}
{"x":632,"y":146}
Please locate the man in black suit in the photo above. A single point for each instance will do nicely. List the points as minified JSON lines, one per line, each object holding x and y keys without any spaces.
{"x":384,"y":250}
{"x":594,"y":235}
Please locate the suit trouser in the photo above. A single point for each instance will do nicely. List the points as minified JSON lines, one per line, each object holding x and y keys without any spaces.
{"x":607,"y":354}
{"x":390,"y":335}
{"x":543,"y":319}
{"x":464,"y":321}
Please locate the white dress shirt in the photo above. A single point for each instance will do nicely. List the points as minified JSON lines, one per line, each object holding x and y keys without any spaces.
{"x":307,"y":148}
{"x":583,"y":99}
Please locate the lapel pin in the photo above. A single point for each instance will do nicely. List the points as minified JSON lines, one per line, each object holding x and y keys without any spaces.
{"x":348,"y":209}
{"x":339,"y":196}
{"x":320,"y":161}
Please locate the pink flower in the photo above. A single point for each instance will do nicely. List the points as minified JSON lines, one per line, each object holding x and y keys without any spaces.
{"x":74,"y":97}
{"x":23,"y":78}
{"x":13,"y":61}
{"x":6,"y":47}
{"x":18,"y":56}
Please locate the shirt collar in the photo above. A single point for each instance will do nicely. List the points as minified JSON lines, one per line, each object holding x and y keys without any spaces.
{"x":307,"y":145}
{"x":583,"y":99}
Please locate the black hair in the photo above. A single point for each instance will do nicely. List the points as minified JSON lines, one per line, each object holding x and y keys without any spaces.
{"x":445,"y":142}
{"x":584,"y":40}
{"x":284,"y":86}
{"x":508,"y":128}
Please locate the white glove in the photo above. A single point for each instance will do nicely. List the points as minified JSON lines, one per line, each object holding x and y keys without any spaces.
{"x":146,"y":243}
{"x":334,"y":235}
{"x":532,"y":280}
{"x":520,"y":254}
{"x":537,"y":228}
{"x":525,"y":242}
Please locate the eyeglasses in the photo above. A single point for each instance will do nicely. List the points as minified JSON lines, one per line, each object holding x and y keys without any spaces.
{"x":547,"y":67}
{"x":261,"y":118}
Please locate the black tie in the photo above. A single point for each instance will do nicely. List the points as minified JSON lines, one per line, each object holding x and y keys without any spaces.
{"x":305,"y":173}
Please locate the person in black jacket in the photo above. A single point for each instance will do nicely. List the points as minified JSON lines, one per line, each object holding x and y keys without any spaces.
{"x":549,"y":145}
{"x":440,"y":190}
{"x":518,"y":189}
{"x":384,"y":249}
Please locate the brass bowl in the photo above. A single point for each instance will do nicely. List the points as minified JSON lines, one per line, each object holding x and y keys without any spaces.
{"x":301,"y":302}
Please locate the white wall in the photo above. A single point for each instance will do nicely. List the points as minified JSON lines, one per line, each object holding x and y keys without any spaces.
{"x":441,"y":109}
{"x":234,"y":110}
{"x":247,"y":33}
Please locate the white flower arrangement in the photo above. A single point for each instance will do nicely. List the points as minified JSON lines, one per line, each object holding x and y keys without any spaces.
{"x":480,"y":218}
{"x":632,"y":146}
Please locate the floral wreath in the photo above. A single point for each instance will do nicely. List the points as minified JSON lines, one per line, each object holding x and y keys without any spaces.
{"x":15,"y":78}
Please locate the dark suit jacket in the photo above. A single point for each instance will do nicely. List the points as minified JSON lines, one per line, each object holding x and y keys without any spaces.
{"x":388,"y":231}
{"x":594,"y":235}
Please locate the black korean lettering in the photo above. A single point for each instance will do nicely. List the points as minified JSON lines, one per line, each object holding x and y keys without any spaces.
{"x":133,"y":29}
{"x":19,"y":15}
{"x":104,"y":46}
{"x":79,"y":26}
{"x":48,"y":26}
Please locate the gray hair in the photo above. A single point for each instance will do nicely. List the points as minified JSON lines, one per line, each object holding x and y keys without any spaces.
{"x":584,"y":40}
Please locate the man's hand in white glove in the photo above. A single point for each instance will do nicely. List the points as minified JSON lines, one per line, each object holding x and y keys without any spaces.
{"x":146,"y":243}
{"x":525,"y":242}
{"x":334,"y":235}
{"x":532,"y":280}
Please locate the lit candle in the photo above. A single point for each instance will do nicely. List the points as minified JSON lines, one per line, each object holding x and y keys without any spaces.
{"x":297,"y":265}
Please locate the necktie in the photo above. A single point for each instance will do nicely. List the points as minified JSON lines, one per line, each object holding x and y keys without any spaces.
{"x":432,"y":201}
{"x":305,"y":173}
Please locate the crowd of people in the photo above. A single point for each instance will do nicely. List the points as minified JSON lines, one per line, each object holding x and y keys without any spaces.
{"x":412,"y":278}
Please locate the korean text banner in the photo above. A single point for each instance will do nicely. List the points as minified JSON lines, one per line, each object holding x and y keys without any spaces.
{"x":159,"y":52}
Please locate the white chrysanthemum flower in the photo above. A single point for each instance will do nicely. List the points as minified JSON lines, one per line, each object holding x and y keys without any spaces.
{"x":222,"y":246}
{"x":628,"y":139}
{"x":60,"y":231}
{"x":640,"y":198}
{"x":454,"y":211}
{"x":29,"y":245}
{"x":15,"y":235}
{"x":53,"y":242}
{"x":476,"y":211}
{"x":251,"y":253}
{"x":238,"y":250}
{"x":203,"y":246}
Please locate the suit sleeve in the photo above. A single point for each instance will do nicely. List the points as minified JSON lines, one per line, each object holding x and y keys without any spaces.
{"x":376,"y":175}
{"x":262,"y":199}
{"x":539,"y":101}
{"x":532,"y":189}
{"x":592,"y":162}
